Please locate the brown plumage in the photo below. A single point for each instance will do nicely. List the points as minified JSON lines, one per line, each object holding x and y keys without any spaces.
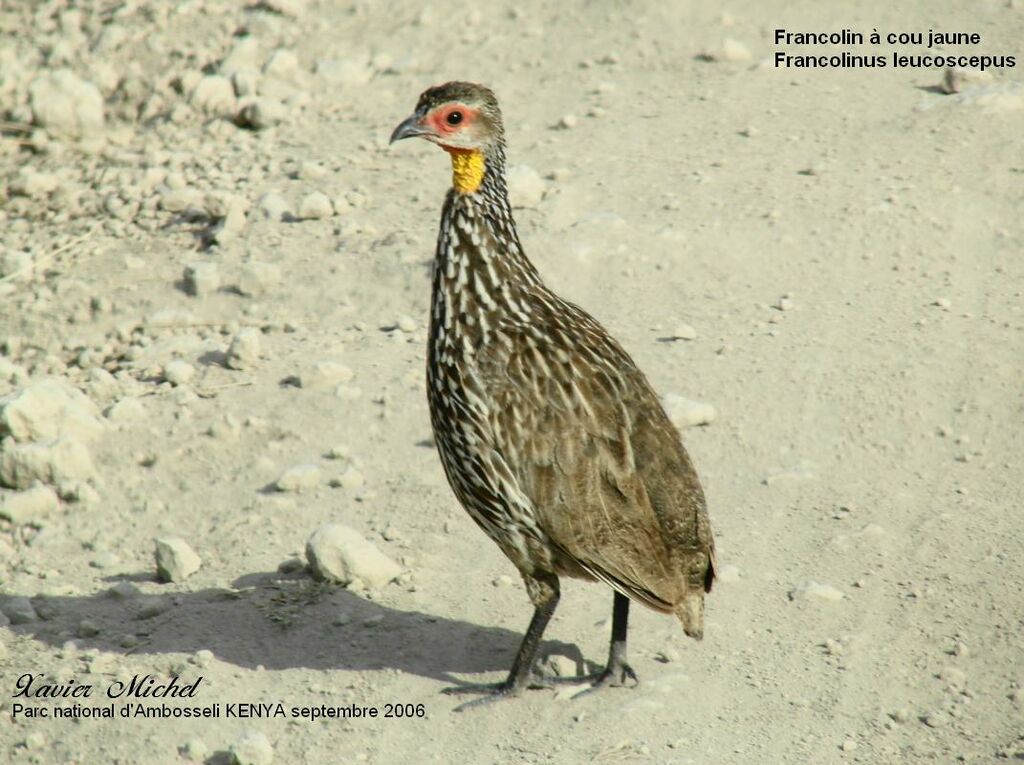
{"x":551,"y":438}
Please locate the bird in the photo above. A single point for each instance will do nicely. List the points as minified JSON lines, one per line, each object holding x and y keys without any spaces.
{"x":551,"y":438}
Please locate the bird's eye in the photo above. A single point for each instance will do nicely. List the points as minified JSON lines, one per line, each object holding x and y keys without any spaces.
{"x":454,"y":118}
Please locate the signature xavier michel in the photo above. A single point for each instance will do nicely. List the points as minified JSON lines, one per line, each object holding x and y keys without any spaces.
{"x":138,"y":687}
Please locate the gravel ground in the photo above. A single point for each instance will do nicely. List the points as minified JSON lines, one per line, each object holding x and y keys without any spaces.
{"x":215,"y":457}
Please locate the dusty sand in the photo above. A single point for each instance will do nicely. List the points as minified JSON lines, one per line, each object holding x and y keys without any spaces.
{"x":863,"y":472}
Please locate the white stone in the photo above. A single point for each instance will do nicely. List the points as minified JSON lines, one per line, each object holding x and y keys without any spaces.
{"x":19,"y":610}
{"x":63,"y":459}
{"x":30,"y":505}
{"x":228,"y":210}
{"x":214,"y":94}
{"x":351,"y":71}
{"x":246,"y":83}
{"x":274,"y":206}
{"x":316,"y":205}
{"x":339,"y":553}
{"x":245,"y":54}
{"x":260,"y":114}
{"x":559,"y":665}
{"x":324,"y":374}
{"x":194,"y":749}
{"x":179,"y":372}
{"x":201,"y":278}
{"x":16,"y":265}
{"x":47,"y":409}
{"x":292,"y":8}
{"x":31,"y":183}
{"x":257,"y":278}
{"x":102,"y":384}
{"x":244,"y":350}
{"x":525,"y":186}
{"x":686,"y":413}
{"x":182,"y":200}
{"x":684,"y":332}
{"x":129,"y":409}
{"x":822,"y":593}
{"x":730,"y":50}
{"x":956,"y":79}
{"x":298,"y":477}
{"x":67,"y":105}
{"x":282,"y":63}
{"x":252,"y":748}
{"x":351,"y":479}
{"x":727,"y":573}
{"x":175,"y":559}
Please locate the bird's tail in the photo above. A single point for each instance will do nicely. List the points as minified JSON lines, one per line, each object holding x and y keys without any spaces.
{"x":691,"y":613}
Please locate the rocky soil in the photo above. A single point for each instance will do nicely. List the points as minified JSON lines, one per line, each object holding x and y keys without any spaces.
{"x":215,"y":454}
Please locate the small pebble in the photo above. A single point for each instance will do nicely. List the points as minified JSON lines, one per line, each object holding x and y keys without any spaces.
{"x":315,"y":205}
{"x":201,"y":278}
{"x":686,"y":413}
{"x":525,"y":186}
{"x":262,"y":114}
{"x":128,"y":410}
{"x":298,"y":478}
{"x":956,"y":79}
{"x":341,"y":554}
{"x":338,"y":452}
{"x":244,"y":350}
{"x":19,"y":610}
{"x":559,"y":665}
{"x":274,"y":206}
{"x":728,"y":573}
{"x":175,"y":559}
{"x":214,"y":94}
{"x":29,"y":506}
{"x":252,"y":748}
{"x":324,"y":374}
{"x":282,"y":63}
{"x":730,"y":50}
{"x":351,"y":479}
{"x":684,"y":332}
{"x":66,"y":105}
{"x":179,"y":372}
{"x":823,"y":593}
{"x":257,"y":278}
{"x":194,"y":749}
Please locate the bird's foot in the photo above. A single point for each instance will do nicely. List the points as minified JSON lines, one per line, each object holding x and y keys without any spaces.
{"x":491,"y":692}
{"x":617,"y":674}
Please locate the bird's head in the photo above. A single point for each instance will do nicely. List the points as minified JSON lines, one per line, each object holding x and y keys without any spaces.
{"x":462,"y":118}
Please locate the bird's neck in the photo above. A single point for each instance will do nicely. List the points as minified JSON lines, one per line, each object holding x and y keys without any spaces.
{"x":480,"y":268}
{"x":468,"y":169}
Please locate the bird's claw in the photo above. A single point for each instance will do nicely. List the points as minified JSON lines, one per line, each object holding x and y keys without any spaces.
{"x":491,"y":692}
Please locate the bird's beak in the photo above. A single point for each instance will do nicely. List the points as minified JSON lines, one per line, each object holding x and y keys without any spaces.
{"x":410,"y":128}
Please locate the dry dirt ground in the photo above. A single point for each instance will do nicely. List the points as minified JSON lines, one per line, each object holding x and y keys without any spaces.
{"x":847,"y":245}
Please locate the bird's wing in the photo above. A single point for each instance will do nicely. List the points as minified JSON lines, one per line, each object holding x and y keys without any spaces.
{"x":610,"y":483}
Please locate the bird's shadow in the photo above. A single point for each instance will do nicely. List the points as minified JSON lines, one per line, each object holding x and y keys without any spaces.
{"x":271,"y":621}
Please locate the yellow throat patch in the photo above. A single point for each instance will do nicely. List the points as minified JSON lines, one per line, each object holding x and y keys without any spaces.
{"x":467,"y":170}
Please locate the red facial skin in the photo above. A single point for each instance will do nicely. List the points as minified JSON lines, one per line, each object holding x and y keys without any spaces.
{"x":438,"y":119}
